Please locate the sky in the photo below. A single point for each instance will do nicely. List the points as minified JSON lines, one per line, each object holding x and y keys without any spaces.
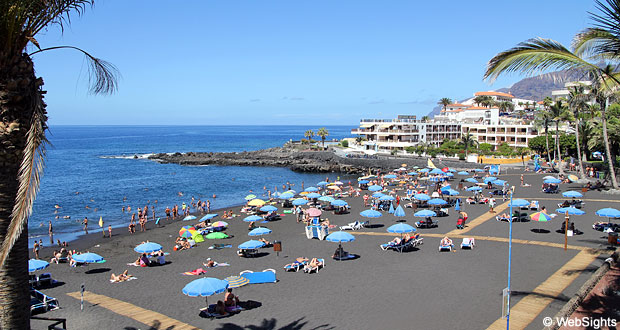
{"x":317,"y":62}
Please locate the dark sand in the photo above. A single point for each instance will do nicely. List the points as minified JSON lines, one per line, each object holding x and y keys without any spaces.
{"x":421,"y":289}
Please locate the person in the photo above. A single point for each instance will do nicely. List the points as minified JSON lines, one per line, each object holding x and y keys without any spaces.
{"x":210,"y":263}
{"x":265,"y":241}
{"x":395,"y":241}
{"x":446,"y":241}
{"x":230,"y":300}
{"x":124,"y":276}
{"x":35,"y":249}
{"x":50,"y":230}
{"x":85,"y":223}
{"x":492,"y":205}
{"x":503,"y":216}
{"x":251,"y":225}
{"x":220,"y":308}
{"x":110,"y":231}
{"x":56,"y":256}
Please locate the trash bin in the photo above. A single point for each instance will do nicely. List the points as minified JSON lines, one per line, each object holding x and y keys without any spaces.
{"x":277,"y":246}
{"x":612,"y":239}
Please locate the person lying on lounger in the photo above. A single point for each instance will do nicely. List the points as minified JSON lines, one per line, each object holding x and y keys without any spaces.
{"x":446,"y":241}
{"x":314,"y":263}
{"x":265,"y":241}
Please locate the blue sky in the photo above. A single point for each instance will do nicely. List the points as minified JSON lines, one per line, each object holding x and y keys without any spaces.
{"x":287,"y":62}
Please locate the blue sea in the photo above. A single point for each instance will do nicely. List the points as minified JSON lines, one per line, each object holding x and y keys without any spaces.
{"x":91,"y":172}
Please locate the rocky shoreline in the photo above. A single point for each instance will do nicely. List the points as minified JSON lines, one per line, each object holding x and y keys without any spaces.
{"x":301,"y":161}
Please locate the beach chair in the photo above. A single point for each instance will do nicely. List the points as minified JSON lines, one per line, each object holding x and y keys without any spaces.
{"x":468,"y":243}
{"x":266,"y":276}
{"x":295,"y":265}
{"x":352,"y":226}
{"x":45,"y":280}
{"x":446,"y":246}
{"x":316,"y":231}
{"x":41,"y":303}
{"x":534,"y":205}
{"x":309,"y":269}
{"x":247,"y":253}
{"x":427,"y":224}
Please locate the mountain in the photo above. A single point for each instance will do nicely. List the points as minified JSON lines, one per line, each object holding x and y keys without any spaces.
{"x":534,"y":88}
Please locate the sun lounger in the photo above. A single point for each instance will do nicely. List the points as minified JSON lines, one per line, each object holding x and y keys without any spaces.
{"x":468,"y":243}
{"x":309,"y":269}
{"x":247,"y":253}
{"x":446,"y":247}
{"x":354,"y":225}
{"x":219,"y":246}
{"x":40,"y":302}
{"x":534,"y":205}
{"x":266,"y":276}
{"x":295,"y":265}
{"x":427,"y":224}
{"x":316,"y":231}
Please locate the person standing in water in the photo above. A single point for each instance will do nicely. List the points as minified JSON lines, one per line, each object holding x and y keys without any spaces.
{"x":85,"y":223}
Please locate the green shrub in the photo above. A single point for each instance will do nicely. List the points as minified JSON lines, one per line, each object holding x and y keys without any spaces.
{"x":344,"y":143}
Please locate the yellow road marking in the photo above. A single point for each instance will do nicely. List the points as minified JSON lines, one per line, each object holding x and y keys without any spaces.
{"x":134,"y":312}
{"x":479,"y":220}
{"x":528,"y":308}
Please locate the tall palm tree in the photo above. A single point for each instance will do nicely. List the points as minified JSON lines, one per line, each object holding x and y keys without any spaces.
{"x":479,"y":99}
{"x":559,"y":113}
{"x":323,"y":133}
{"x":444,"y":102}
{"x":535,"y":55}
{"x":543,"y":120}
{"x":578,"y":103}
{"x":506,"y":106}
{"x":23,"y":122}
{"x":309,"y":134}
{"x":468,"y":140}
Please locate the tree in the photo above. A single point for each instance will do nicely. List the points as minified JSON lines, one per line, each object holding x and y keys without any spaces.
{"x":468,"y":140}
{"x":425,"y":118}
{"x":537,"y":144}
{"x":543,"y":120}
{"x":323,"y":133}
{"x":478,"y":100}
{"x":23,"y":121}
{"x":309,"y":134}
{"x":559,"y":113}
{"x":444,"y":102}
{"x":506,"y":106}
{"x":578,"y":103}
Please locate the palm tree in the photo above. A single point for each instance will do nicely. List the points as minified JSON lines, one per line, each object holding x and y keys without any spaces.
{"x":536,"y":55}
{"x":323,"y":133}
{"x":543,"y":120}
{"x":309,"y":134}
{"x":425,"y":118}
{"x":22,"y":130}
{"x":506,"y":106}
{"x":479,"y":99}
{"x":578,"y":102}
{"x":559,"y":113}
{"x":468,"y":140}
{"x":444,"y":102}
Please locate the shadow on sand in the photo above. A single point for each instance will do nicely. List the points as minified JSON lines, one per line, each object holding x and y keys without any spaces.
{"x":271,"y":324}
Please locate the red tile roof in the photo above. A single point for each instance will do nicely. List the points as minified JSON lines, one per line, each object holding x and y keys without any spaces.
{"x":493,"y":94}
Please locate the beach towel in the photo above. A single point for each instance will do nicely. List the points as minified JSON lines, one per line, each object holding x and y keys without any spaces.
{"x":219,"y":246}
{"x":198,"y":271}
{"x":127,"y":280}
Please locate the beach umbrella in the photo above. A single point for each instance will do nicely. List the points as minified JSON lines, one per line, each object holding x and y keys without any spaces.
{"x":573,"y":177}
{"x":236,"y":281}
{"x":333,"y":187}
{"x":219,"y":224}
{"x":36,"y":264}
{"x":286,"y":195}
{"x":187,"y":231}
{"x":386,"y":198}
{"x":608,"y":212}
{"x":259,"y":231}
{"x":208,"y":216}
{"x":548,"y":177}
{"x":540,"y":217}
{"x":314,"y":212}
{"x":474,"y":188}
{"x":339,"y":202}
{"x":205,"y":287}
{"x":553,"y":181}
{"x":437,"y":171}
{"x":217,"y":235}
{"x":375,"y":188}
{"x":88,"y":257}
{"x":571,"y":210}
{"x":390,"y":176}
{"x":424,"y":170}
{"x":399,"y":212}
{"x":322,"y":183}
{"x":268,"y":208}
{"x":449,"y":174}
{"x":148,"y":247}
{"x":377,"y":194}
{"x":313,"y":195}
{"x":462,"y":173}
{"x":489,"y":179}
{"x":519,"y":203}
{"x":478,"y":170}
{"x":252,"y":218}
{"x":256,"y":202}
{"x":300,"y":201}
{"x":371,"y":214}
{"x":189,"y":217}
{"x":327,"y":199}
{"x":499,"y":182}
{"x":437,"y":201}
{"x":572,"y":194}
{"x":401,"y":228}
{"x":412,"y":173}
{"x":251,"y":245}
{"x":425,"y":214}
{"x":339,"y":237}
{"x":457,"y":207}
{"x":311,"y":189}
{"x":363,"y":181}
{"x":471,"y":180}
{"x":391,"y":210}
{"x":450,"y":192}
{"x":422,"y":197}
{"x":250,"y":197}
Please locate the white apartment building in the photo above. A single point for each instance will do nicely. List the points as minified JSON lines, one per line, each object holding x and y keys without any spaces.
{"x":564,"y":93}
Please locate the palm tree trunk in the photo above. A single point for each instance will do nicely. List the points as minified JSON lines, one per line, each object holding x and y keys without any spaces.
{"x":557,"y":142}
{"x":582,"y":174}
{"x":610,"y":160}
{"x":547,"y":141}
{"x":18,"y":93}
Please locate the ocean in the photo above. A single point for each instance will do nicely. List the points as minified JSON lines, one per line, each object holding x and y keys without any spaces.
{"x":91,"y":172}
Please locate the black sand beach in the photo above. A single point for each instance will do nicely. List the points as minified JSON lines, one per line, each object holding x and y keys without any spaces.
{"x":420,"y":289}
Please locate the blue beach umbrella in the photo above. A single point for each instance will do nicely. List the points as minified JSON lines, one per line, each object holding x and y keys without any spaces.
{"x":437,"y":201}
{"x":499,"y":182}
{"x":412,"y":173}
{"x":251,"y":245}
{"x":88,"y":257}
{"x":437,"y":171}
{"x":311,"y":189}
{"x":457,"y":207}
{"x":205,"y":287}
{"x":363,"y":181}
{"x":401,"y":228}
{"x":391,"y":210}
{"x":370,"y":214}
{"x":608,"y":212}
{"x":339,"y":237}
{"x":36,"y":264}
{"x":422,"y":197}
{"x":386,"y":198}
{"x":519,"y":203}
{"x":268,"y":208}
{"x":450,"y":192}
{"x":253,"y":218}
{"x":572,"y":194}
{"x":147,"y":247}
{"x":189,"y":217}
{"x":552,"y":180}
{"x":339,"y":202}
{"x":313,"y":195}
{"x":286,"y":195}
{"x":259,"y":231}
{"x":322,"y":183}
{"x":462,"y":173}
{"x":327,"y":199}
{"x":478,"y":170}
{"x":424,"y":214}
{"x":399,"y":212}
{"x":471,"y":180}
{"x":449,"y":174}
{"x":208,"y":216}
{"x":377,"y":194}
{"x":489,"y":179}
{"x":300,"y":201}
{"x":390,"y":176}
{"x":571,"y":211}
{"x":424,"y":170}
{"x":474,"y":188}
{"x":375,"y":188}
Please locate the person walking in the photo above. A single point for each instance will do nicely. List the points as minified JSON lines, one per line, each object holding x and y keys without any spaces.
{"x":85,"y":223}
{"x":35,"y":249}
{"x":492,"y":205}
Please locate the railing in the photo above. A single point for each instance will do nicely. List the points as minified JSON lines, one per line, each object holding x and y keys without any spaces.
{"x":52,"y":326}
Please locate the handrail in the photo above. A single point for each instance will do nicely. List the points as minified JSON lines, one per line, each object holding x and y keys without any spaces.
{"x":52,"y":326}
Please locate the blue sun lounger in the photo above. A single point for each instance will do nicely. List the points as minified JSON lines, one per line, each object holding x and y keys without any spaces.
{"x":266,"y":276}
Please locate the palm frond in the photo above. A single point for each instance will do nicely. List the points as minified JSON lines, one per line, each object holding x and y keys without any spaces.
{"x":609,"y":17}
{"x":29,"y":177}
{"x":596,"y":44}
{"x":102,"y":75}
{"x":536,"y":56}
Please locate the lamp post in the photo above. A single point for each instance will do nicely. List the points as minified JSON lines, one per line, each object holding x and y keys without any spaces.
{"x":512,"y":190}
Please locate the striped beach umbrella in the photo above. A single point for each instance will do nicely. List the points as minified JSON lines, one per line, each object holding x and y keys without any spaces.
{"x":219,"y":224}
{"x":187,"y":232}
{"x":236,"y":281}
{"x":540,"y":217}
